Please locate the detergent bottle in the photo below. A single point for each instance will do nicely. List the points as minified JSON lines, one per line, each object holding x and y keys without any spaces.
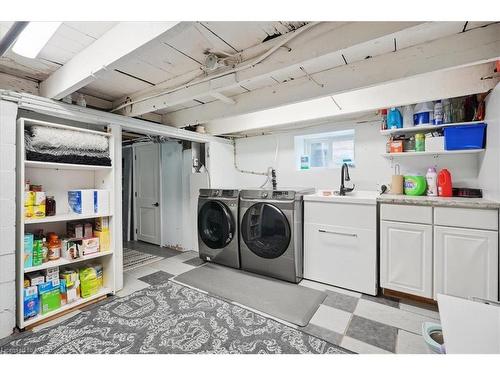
{"x":444,"y":183}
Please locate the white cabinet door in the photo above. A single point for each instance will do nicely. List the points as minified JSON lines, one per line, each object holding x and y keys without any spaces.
{"x":406,"y":258}
{"x":466,"y":262}
{"x":342,"y":256}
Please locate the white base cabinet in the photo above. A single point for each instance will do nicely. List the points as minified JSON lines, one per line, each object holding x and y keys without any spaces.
{"x":466,"y":262}
{"x":406,"y":258}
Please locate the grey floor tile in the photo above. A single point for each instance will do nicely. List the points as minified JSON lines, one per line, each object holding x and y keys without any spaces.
{"x":388,"y":301}
{"x":144,"y":247}
{"x":322,"y":333}
{"x":195,"y":262}
{"x":340,"y":301}
{"x":372,"y":332}
{"x":156,"y":278}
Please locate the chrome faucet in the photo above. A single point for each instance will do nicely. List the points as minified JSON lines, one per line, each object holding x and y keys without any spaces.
{"x":344,"y":176}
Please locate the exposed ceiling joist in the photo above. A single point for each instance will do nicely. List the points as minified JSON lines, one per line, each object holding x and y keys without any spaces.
{"x":469,"y":48}
{"x":123,"y":40}
{"x":442,"y":84}
{"x":324,"y":42}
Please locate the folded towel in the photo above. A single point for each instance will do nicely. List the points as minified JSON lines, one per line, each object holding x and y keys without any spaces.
{"x":46,"y":136}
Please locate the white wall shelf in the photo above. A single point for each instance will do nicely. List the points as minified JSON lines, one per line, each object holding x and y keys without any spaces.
{"x":426,"y":128}
{"x":65,"y":262}
{"x":104,"y":291}
{"x":62,"y":217}
{"x":57,"y":179}
{"x":46,"y":165}
{"x":393,"y":155}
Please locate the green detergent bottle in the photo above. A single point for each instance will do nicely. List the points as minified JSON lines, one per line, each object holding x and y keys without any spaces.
{"x":415,"y":185}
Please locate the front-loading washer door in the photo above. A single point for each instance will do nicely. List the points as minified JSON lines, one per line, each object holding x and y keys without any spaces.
{"x":216,"y":225}
{"x":265,"y":230}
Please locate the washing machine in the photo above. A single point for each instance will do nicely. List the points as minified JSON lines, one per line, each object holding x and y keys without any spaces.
{"x":271,"y":232}
{"x":218,"y":226}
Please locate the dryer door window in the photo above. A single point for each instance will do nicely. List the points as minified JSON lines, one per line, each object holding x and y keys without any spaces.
{"x":265,"y":230}
{"x":215,"y":224}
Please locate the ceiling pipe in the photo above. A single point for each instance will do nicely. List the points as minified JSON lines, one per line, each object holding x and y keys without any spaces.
{"x":10,"y":37}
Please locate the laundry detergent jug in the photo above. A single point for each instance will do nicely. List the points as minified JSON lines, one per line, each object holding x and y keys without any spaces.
{"x":444,"y":183}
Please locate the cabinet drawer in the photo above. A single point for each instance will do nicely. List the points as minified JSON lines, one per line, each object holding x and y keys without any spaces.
{"x":341,"y":214}
{"x":406,"y":213}
{"x":341,"y":256}
{"x":466,"y":218}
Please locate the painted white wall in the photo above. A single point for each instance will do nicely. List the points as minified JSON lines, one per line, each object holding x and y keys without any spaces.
{"x":171,"y":194}
{"x":8,"y":113}
{"x":371,"y":170}
{"x":489,"y":173}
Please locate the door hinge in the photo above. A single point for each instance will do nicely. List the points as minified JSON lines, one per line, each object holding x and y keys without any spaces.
{"x":135,"y":157}
{"x":135,"y":230}
{"x":135,"y":193}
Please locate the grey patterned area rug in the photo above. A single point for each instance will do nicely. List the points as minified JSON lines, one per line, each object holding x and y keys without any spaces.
{"x":169,"y":318}
{"x":134,"y":259}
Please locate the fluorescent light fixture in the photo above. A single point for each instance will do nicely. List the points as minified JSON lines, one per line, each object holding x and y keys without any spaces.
{"x":34,"y":37}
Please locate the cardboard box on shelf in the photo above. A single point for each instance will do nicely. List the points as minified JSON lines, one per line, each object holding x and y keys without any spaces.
{"x":31,"y":302}
{"x":29,"y":211}
{"x":88,"y":246}
{"x":74,"y":229}
{"x":69,"y":250}
{"x":50,"y":296}
{"x":104,"y":240}
{"x":28,"y":250}
{"x":89,"y":201}
{"x":29,"y":198}
{"x":87,"y":230}
{"x":35,"y":278}
{"x":51,"y":274}
{"x":39,"y":211}
{"x":102,"y":224}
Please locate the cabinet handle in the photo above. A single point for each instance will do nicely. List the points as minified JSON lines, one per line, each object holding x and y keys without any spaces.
{"x":339,"y":233}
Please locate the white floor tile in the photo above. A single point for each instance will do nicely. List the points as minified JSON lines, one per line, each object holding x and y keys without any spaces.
{"x":410,"y":343}
{"x":333,"y":319}
{"x":172,"y":266}
{"x":56,"y":321}
{"x":419,"y":310}
{"x":140,"y":272}
{"x":361,"y":347}
{"x":182,"y":257}
{"x":391,"y":316}
{"x":323,"y":287}
{"x":130,"y":286}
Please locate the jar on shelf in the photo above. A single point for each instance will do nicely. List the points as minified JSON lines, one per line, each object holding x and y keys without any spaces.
{"x":54,"y":247}
{"x":50,"y":206}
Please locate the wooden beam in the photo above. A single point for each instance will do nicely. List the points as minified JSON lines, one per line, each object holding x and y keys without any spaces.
{"x":438,"y":85}
{"x":468,"y":48}
{"x":123,"y":40}
{"x":321,"y":44}
{"x":10,"y":82}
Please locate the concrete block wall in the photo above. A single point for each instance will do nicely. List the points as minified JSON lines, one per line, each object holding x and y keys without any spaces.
{"x":8,"y":113}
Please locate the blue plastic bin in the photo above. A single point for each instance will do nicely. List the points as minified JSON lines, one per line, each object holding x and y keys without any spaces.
{"x":466,"y":137}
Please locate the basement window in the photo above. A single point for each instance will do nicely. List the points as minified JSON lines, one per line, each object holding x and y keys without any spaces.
{"x":324,"y":150}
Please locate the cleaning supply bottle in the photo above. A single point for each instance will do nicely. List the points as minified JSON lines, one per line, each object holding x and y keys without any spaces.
{"x":414,"y":185}
{"x":394,"y":119}
{"x":407,"y":116}
{"x":438,"y":113}
{"x":423,"y":114}
{"x":383,"y":122}
{"x":431,"y":178}
{"x":444,"y":183}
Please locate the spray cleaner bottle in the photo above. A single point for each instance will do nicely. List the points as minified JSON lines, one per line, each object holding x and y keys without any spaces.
{"x":431,"y":178}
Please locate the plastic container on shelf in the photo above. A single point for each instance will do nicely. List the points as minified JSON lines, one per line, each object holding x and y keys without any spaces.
{"x":415,"y":185}
{"x":408,"y":116}
{"x":423,"y":114}
{"x":467,"y":137}
{"x":438,"y":113}
{"x":394,"y":119}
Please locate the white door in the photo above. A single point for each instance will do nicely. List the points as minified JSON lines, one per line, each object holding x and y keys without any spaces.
{"x":147,"y":193}
{"x":406,"y":258}
{"x":466,"y":262}
{"x":341,"y":256}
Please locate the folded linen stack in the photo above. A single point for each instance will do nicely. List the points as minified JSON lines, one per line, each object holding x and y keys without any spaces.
{"x":44,"y":143}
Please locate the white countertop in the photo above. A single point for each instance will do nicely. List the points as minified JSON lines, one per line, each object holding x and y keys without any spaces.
{"x":355,"y":197}
{"x":372,"y":197}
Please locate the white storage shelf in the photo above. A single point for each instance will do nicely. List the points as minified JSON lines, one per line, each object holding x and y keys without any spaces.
{"x":430,"y":153}
{"x":62,"y":217}
{"x":57,"y":179}
{"x":65,"y":262}
{"x":426,"y":128}
{"x":39,"y":318}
